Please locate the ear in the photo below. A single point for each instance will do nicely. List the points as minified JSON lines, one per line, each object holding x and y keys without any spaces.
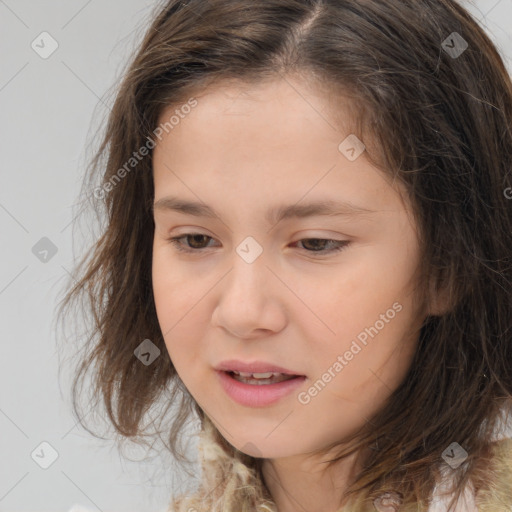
{"x":440,"y":300}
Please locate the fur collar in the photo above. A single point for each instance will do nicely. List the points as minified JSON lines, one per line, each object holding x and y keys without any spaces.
{"x":222,"y":474}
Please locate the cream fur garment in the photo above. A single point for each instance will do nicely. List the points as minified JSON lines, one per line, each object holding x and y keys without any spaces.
{"x":229,"y":485}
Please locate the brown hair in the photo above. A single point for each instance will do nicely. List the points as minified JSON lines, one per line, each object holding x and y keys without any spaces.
{"x":438,"y":122}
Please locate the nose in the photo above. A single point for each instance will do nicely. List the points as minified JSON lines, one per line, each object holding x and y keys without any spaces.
{"x":250,"y":300}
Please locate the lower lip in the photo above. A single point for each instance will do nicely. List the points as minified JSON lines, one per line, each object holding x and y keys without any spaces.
{"x":254,"y":395}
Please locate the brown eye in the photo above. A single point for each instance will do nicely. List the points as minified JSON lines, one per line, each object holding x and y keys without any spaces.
{"x":196,"y":245}
{"x":320,"y":248}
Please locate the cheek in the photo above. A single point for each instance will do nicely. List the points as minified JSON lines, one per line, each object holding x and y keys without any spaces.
{"x":183,"y":314}
{"x":174,"y":291}
{"x":172,"y":301}
{"x":368,"y":317}
{"x":354,"y":295}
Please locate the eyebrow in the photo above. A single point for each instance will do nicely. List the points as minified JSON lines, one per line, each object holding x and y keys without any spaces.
{"x":274,"y":215}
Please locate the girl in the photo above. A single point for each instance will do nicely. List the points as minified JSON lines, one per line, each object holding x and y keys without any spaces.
{"x":308,"y":247}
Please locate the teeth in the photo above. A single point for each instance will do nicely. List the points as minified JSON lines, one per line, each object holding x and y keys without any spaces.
{"x":266,"y":375}
{"x":261,"y":378}
{"x":258,"y":375}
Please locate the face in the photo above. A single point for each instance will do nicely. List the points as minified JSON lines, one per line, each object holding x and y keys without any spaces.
{"x":258,"y":289}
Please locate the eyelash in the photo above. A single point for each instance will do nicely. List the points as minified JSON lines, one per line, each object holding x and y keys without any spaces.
{"x":175,"y":241}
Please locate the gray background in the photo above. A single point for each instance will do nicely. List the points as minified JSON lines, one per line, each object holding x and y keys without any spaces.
{"x":50,"y":110}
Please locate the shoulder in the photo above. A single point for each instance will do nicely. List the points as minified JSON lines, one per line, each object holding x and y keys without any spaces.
{"x":497,"y":497}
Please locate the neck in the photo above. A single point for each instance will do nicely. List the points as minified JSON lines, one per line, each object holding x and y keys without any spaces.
{"x":305,"y":482}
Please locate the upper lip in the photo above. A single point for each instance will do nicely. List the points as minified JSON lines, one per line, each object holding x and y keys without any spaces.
{"x":254,"y":367}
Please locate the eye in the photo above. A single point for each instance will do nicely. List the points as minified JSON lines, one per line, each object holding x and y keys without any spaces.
{"x":176,"y":242}
{"x":196,"y":246}
{"x":339,"y":244}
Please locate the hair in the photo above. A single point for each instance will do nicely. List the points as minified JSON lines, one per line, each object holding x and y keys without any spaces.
{"x":440,"y":124}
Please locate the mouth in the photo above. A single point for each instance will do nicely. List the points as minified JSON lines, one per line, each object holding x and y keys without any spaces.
{"x":261,"y":379}
{"x":256,"y":369}
{"x":258,"y":389}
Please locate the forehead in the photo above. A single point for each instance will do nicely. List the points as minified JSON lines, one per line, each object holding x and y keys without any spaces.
{"x":276,"y":136}
{"x":284,"y":100}
{"x":277,"y":122}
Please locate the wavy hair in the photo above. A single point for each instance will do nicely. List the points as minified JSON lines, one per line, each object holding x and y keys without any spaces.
{"x":434,"y":114}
